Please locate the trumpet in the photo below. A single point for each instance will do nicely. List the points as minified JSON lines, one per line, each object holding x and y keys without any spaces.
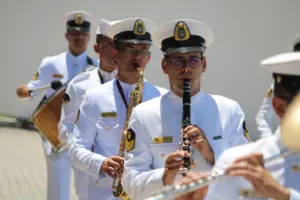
{"x":290,"y":127}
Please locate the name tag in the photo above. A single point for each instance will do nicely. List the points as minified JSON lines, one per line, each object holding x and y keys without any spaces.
{"x":109,"y":114}
{"x":57,"y":75}
{"x":218,"y":137}
{"x":250,"y":193}
{"x":163,"y":139}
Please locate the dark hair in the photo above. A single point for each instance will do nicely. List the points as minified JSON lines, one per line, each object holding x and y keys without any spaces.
{"x":99,"y":37}
{"x":117,"y":45}
{"x":287,"y":87}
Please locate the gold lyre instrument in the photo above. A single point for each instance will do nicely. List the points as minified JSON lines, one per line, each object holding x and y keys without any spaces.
{"x":136,"y":97}
{"x":290,"y":127}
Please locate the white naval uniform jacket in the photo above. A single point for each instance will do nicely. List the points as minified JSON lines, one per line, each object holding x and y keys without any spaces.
{"x":220,"y":118}
{"x":93,"y":127}
{"x":264,"y":115}
{"x":238,"y":188}
{"x":62,"y":67}
{"x":76,"y":90}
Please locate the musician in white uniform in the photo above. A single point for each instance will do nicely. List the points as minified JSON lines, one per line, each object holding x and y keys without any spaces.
{"x":252,"y":178}
{"x":266,"y":112}
{"x":76,"y":89}
{"x":103,"y":111}
{"x":153,"y":159}
{"x":62,"y":67}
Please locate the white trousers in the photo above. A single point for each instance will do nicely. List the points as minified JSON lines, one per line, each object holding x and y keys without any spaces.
{"x":58,"y":176}
{"x":81,"y":182}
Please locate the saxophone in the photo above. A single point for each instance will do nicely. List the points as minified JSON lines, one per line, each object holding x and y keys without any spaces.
{"x":186,"y":121}
{"x":136,"y":97}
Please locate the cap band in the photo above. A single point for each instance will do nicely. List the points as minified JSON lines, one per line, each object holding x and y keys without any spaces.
{"x":72,"y":25}
{"x":130,"y":37}
{"x":193,"y":43}
{"x":297,"y":47}
{"x":286,"y":86}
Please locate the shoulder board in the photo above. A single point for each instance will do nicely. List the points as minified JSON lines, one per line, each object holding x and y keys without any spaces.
{"x":90,"y":61}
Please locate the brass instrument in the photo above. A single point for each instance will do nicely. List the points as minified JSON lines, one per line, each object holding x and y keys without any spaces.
{"x":186,"y":121}
{"x":136,"y":97}
{"x":289,"y":134}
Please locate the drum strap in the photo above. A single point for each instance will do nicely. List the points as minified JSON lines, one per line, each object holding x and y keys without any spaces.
{"x":90,"y":62}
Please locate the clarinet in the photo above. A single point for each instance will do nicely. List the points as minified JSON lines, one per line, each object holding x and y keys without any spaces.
{"x":186,"y":121}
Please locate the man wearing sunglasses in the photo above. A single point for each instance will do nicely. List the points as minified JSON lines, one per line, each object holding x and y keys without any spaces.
{"x":102,"y":114}
{"x":76,"y":89}
{"x":154,"y":161}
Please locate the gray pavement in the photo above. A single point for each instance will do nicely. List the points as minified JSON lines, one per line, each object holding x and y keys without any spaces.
{"x":22,"y":166}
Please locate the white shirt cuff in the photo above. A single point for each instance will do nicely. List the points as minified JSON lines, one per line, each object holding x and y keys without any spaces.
{"x":295,"y":195}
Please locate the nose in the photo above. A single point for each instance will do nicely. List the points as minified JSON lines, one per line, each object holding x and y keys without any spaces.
{"x":186,"y":68}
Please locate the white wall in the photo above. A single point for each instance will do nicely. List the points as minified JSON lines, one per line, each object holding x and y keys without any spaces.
{"x":245,"y":33}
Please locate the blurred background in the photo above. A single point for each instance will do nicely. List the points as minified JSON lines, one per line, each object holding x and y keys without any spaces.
{"x":245,"y":33}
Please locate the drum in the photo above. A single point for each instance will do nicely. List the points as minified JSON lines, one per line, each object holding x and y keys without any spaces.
{"x":47,"y":116}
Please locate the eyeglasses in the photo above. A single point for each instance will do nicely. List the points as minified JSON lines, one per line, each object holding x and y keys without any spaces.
{"x":135,"y":52}
{"x":179,"y":63}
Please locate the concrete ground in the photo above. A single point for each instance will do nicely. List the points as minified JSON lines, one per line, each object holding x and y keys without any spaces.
{"x":22,"y":166}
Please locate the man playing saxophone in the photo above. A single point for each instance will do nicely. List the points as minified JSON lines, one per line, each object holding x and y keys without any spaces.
{"x":102,"y":114}
{"x":153,"y":157}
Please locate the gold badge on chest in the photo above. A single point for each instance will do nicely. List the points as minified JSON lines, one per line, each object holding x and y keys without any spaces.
{"x":295,"y":168}
{"x":162,"y":139}
{"x":109,"y":115}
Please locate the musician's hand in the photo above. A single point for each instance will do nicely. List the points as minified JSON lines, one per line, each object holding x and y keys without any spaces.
{"x":251,"y":167}
{"x":113,"y":166}
{"x":199,"y":142}
{"x":173,"y":165}
{"x":198,"y":194}
{"x":23,"y":91}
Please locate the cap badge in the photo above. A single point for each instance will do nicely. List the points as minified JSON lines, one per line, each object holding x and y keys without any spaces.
{"x":278,"y":79}
{"x":78,"y":19}
{"x":139,"y":28}
{"x":181,"y":32}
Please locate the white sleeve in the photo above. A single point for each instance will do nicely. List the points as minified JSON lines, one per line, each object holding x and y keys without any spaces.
{"x":84,"y":135}
{"x":42,"y":77}
{"x":264,"y":115}
{"x":139,"y":179}
{"x":295,"y":195}
{"x":68,"y":115}
{"x":237,"y":132}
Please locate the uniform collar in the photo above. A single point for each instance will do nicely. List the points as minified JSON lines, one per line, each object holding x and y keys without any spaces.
{"x":107,"y":76}
{"x":77,"y":58}
{"x":177,"y":99}
{"x":129,"y":86}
